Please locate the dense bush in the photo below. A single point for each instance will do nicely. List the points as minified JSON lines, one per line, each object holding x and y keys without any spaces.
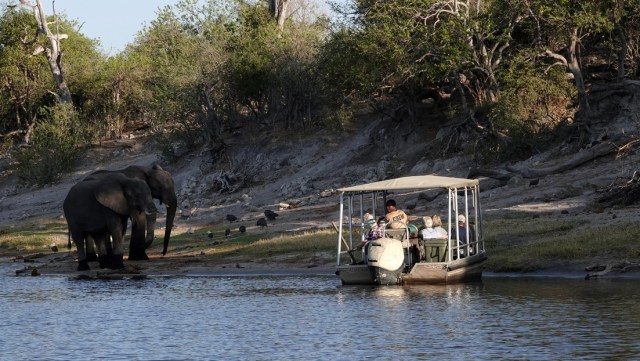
{"x":54,"y":148}
{"x":532,"y":106}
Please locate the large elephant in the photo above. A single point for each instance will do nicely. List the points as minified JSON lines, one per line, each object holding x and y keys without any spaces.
{"x":162,"y":188}
{"x":99,"y":208}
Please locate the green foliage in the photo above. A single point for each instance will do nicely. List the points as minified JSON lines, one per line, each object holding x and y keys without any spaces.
{"x":252,"y":57}
{"x":532,"y":99}
{"x":532,"y":106}
{"x":201,"y":67}
{"x":339,"y":119}
{"x":54,"y":146}
{"x":24,"y":80}
{"x":273,"y":75}
{"x":26,"y":83}
{"x":205,"y":68}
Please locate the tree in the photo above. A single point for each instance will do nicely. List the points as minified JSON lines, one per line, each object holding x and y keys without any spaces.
{"x":414,"y":49}
{"x":626,"y":17}
{"x":26,"y":83}
{"x":278,"y":10}
{"x":181,"y":63}
{"x":53,"y":53}
{"x":562,"y":25}
{"x":24,"y":79}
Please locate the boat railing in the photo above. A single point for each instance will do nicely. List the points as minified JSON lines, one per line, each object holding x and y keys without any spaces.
{"x":461,"y":250}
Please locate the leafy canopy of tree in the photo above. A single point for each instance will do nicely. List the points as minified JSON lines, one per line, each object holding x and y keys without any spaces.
{"x":201,"y":68}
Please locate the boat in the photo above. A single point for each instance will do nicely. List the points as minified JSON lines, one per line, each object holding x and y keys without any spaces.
{"x":400,"y":256}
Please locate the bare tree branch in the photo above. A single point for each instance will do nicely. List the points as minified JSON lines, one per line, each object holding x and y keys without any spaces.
{"x":52,"y":53}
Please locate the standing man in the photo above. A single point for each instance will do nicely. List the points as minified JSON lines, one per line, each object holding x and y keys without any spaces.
{"x":396,"y":218}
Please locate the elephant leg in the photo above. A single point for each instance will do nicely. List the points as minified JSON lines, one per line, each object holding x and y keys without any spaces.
{"x":151,"y":225}
{"x":116,"y":231}
{"x":117,"y":261}
{"x":137,"y":241}
{"x":104,"y":258}
{"x":90,"y":249}
{"x":79,"y":238}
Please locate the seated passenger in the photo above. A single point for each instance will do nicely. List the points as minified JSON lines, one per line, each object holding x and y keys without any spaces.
{"x":437,"y":224}
{"x":462,"y":231}
{"x":377,"y":231}
{"x":368,"y":220}
{"x":429,"y":232}
{"x":395,"y":217}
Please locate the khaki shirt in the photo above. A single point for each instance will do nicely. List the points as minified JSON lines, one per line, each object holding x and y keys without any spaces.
{"x":394,"y":218}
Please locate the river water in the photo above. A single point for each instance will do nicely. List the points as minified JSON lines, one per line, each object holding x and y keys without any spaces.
{"x":292,"y":317}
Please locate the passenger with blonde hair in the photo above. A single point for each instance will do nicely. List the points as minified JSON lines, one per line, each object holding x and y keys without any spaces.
{"x":437,"y":224}
{"x":431,"y":232}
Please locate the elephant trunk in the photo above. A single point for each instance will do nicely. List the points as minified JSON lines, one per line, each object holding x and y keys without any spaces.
{"x":172,"y":207}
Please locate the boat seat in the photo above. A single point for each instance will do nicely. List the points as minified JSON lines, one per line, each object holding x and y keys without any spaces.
{"x":398,"y":233}
{"x":435,"y":250}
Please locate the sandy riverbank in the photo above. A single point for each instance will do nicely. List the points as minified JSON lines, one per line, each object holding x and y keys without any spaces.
{"x":64,"y":263}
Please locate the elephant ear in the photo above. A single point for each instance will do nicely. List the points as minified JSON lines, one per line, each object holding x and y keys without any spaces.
{"x":111,"y":195}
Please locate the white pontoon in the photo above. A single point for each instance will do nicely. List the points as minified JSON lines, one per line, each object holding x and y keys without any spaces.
{"x":401,"y":257}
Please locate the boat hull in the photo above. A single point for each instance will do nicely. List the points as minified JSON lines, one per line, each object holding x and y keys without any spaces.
{"x":357,"y":274}
{"x":463,"y":270}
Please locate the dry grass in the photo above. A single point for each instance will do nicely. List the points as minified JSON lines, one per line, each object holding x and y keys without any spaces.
{"x":513,"y":244}
{"x":523,"y":245}
{"x":29,"y":238}
{"x":252,"y":244}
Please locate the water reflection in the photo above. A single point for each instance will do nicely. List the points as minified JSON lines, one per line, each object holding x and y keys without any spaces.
{"x":314,"y":317}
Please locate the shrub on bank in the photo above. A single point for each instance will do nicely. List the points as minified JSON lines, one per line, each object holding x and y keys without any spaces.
{"x":53,"y":148}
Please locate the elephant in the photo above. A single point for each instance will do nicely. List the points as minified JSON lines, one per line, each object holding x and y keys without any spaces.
{"x":141,"y":222}
{"x":99,"y":208}
{"x":160,"y":183}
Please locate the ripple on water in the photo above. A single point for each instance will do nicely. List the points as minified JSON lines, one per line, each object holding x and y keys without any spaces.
{"x":314,"y":317}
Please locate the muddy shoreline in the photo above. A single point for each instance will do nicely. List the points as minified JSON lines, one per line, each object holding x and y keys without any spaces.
{"x":64,"y":264}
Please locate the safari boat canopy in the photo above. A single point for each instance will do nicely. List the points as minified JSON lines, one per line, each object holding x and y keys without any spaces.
{"x":402,"y":256}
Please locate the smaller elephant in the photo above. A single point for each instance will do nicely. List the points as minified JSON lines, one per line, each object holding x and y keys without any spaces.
{"x":162,"y":188}
{"x":99,"y":208}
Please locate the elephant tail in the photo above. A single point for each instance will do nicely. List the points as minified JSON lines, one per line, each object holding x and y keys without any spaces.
{"x":69,"y":239}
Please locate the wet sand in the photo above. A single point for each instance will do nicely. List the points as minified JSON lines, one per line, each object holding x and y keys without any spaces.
{"x":65,"y":263}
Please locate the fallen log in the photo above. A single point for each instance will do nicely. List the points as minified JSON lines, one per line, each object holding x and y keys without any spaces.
{"x":621,"y":146}
{"x":620,"y":267}
{"x":627,"y":194}
{"x":576,"y":160}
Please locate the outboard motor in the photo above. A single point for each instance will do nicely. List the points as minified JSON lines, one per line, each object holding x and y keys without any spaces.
{"x":386,"y":261}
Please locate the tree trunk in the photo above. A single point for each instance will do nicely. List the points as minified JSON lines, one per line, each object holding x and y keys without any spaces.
{"x":212,"y":122}
{"x":572,"y":64}
{"x":574,"y":68}
{"x":54,"y":53}
{"x":278,"y":10}
{"x":622,"y":52}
